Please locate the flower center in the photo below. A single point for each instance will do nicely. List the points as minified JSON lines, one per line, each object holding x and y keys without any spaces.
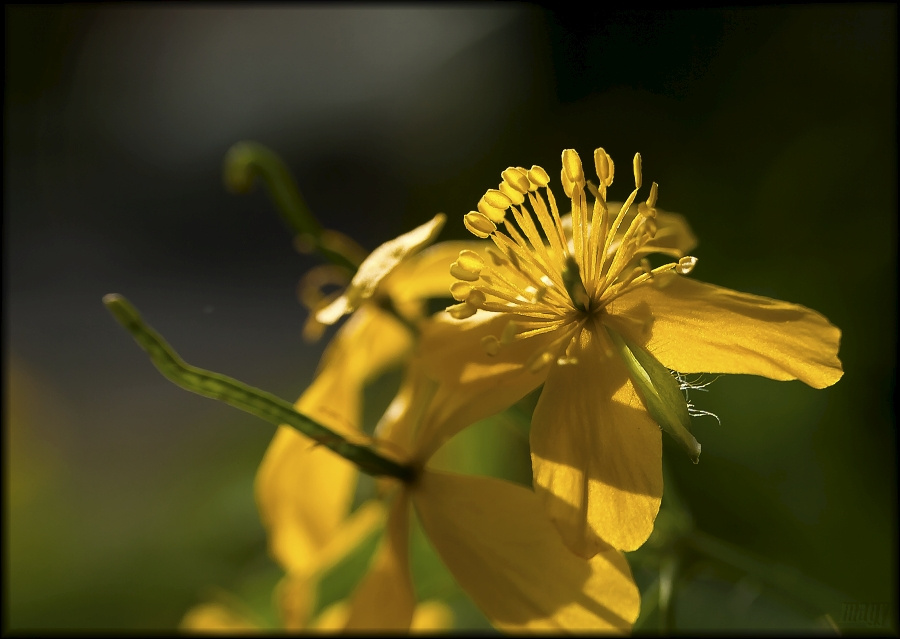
{"x":551,"y":272}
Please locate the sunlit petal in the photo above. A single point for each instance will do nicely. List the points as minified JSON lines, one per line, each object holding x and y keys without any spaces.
{"x":473,"y":384}
{"x":497,"y":543}
{"x":377,"y":266}
{"x":432,"y":616}
{"x":596,"y":453}
{"x":695,"y":327}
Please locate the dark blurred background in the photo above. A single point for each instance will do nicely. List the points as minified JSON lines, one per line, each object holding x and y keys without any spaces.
{"x":773,"y":129}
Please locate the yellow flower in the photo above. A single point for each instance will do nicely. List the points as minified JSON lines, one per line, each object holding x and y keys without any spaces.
{"x":371,"y":341}
{"x":571,"y":311}
{"x":491,"y":534}
{"x":304,"y":491}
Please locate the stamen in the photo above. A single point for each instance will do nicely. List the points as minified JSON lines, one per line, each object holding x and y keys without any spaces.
{"x":479,"y":224}
{"x":654,"y":192}
{"x":460,"y":291}
{"x":638,"y":178}
{"x":686,"y":264}
{"x":493,"y":205}
{"x":538,"y":177}
{"x":517,"y":179}
{"x":467,"y":267}
{"x":461,"y":311}
{"x":476,"y":298}
{"x":603,"y":164}
{"x":515,"y":196}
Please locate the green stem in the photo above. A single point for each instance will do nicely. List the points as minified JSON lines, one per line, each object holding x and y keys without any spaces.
{"x":245,"y":161}
{"x":252,"y":400}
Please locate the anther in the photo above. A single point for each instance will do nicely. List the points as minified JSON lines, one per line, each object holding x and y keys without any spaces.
{"x":460,"y":291}
{"x":461,"y":311}
{"x":476,"y":298}
{"x":572,"y":174}
{"x":467,"y":266}
{"x":479,"y":224}
{"x":603,"y":166}
{"x":654,"y":192}
{"x":493,"y":204}
{"x":538,"y":176}
{"x":517,"y":179}
{"x":686,"y":264}
{"x":638,"y":178}
{"x":512,"y":193}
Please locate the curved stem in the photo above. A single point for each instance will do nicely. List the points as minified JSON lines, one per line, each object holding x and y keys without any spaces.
{"x":252,"y":400}
{"x":245,"y":161}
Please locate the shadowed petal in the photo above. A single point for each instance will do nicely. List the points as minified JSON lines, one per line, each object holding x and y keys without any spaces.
{"x":473,"y":384}
{"x":497,"y":543}
{"x":384,"y":599}
{"x":304,"y":490}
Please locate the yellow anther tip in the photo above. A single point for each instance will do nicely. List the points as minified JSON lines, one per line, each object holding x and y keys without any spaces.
{"x":638,"y":177}
{"x":461,"y":311}
{"x":478,"y":224}
{"x":538,"y":176}
{"x":686,"y":264}
{"x":515,"y":196}
{"x":517,"y":179}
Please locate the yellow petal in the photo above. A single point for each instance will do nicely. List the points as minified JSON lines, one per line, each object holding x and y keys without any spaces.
{"x":333,"y":618}
{"x":431,"y":616}
{"x":296,"y":595}
{"x":695,"y":327}
{"x":596,"y":453}
{"x":368,"y":344}
{"x":497,"y":543}
{"x":428,"y":274}
{"x":473,"y":384}
{"x":304,"y":490}
{"x":673,"y":236}
{"x":213,"y":618}
{"x":384,"y":599}
{"x":380,"y":263}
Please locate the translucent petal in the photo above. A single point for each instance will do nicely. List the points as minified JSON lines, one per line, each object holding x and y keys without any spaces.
{"x":596,"y":453}
{"x":694,"y":327}
{"x":304,"y":490}
{"x":494,"y":539}
{"x":384,"y":599}
{"x":377,"y":266}
{"x":428,"y":274}
{"x":473,"y":383}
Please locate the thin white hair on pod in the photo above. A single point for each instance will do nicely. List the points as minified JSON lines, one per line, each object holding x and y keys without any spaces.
{"x":698,"y":384}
